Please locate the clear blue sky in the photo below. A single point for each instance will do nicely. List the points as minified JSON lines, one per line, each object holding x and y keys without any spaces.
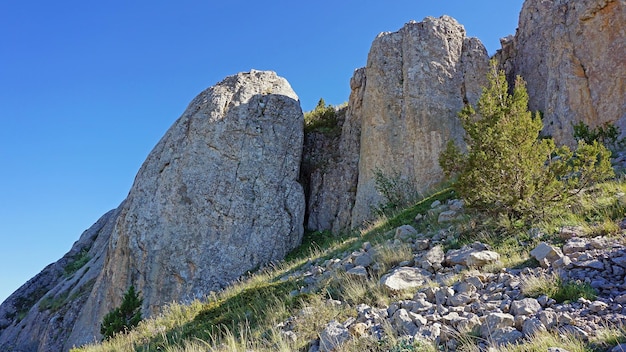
{"x":88,"y":88}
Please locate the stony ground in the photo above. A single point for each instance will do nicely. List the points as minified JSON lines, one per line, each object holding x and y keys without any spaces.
{"x":455,"y":293}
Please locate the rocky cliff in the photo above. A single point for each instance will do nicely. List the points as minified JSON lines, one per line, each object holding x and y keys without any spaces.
{"x":330,"y":166}
{"x":418,"y":79}
{"x":218,"y":196}
{"x":41,"y":314}
{"x":572,"y":55}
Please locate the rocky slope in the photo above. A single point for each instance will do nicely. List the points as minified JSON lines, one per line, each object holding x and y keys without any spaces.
{"x":572,"y":55}
{"x":455,"y":293}
{"x":218,"y":196}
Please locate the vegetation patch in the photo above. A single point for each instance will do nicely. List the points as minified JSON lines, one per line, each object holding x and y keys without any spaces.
{"x":322,"y":119}
{"x":556,"y":288}
{"x":77,"y":262}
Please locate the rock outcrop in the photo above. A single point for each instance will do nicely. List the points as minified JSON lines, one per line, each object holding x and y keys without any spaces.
{"x":41,"y":314}
{"x":572,"y":55}
{"x":218,"y":196}
{"x":418,"y":79}
{"x":330,"y":166}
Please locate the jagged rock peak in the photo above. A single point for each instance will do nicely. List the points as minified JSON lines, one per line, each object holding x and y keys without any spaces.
{"x":418,"y":79}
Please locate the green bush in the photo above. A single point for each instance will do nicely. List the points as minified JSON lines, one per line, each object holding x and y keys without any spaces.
{"x":397,"y":192}
{"x":606,"y":134}
{"x":508,"y":170}
{"x":124,"y":317}
{"x":323,"y":118}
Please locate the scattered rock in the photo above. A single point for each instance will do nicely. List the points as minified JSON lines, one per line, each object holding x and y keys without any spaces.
{"x":405,"y":278}
{"x":333,"y":336}
{"x":546,"y":254}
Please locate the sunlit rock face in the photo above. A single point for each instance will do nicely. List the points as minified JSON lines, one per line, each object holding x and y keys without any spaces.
{"x":416,"y":81}
{"x":217,"y":197}
{"x":572,"y":55}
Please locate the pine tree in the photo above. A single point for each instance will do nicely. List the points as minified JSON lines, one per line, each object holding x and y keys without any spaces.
{"x":508,"y":169}
{"x":124,"y":317}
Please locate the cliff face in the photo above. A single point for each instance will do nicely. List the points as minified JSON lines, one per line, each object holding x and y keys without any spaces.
{"x":41,"y":314}
{"x":572,"y":55}
{"x":218,"y":196}
{"x":418,"y":78}
{"x":331,"y":166}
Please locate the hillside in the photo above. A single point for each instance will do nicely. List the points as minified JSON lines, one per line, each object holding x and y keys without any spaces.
{"x":459,"y":284}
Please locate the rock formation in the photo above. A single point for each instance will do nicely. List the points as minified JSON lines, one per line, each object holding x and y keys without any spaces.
{"x":330,"y":166}
{"x":41,"y":314}
{"x":218,"y":196}
{"x":572,"y":55}
{"x":418,"y":79}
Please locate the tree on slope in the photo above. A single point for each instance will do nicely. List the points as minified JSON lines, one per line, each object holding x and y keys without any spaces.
{"x":125,"y":317}
{"x":508,"y":169}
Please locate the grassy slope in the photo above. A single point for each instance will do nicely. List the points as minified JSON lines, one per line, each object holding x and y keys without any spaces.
{"x":245,"y":315}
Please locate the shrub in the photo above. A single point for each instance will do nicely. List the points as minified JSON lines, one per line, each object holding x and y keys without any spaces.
{"x":124,"y":317}
{"x":397,"y":192}
{"x":508,"y":170}
{"x":323,"y":118}
{"x":606,"y":134}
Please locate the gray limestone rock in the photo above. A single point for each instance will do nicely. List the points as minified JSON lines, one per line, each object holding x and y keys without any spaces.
{"x":221,"y":187}
{"x":405,"y":278}
{"x":495,"y":321}
{"x":418,"y":79}
{"x":546,"y":254}
{"x":564,"y":50}
{"x":333,"y":336}
{"x":526,"y":306}
{"x":330,"y":165}
{"x":482,"y":258}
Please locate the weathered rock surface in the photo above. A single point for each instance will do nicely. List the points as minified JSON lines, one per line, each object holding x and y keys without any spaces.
{"x":40,"y":315}
{"x":218,"y":196}
{"x":219,"y":187}
{"x":418,"y":78}
{"x":572,"y":55}
{"x":330,"y":166}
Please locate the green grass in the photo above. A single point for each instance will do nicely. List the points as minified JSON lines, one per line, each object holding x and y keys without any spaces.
{"x":244,"y":316}
{"x":556,"y":288}
{"x":77,"y":262}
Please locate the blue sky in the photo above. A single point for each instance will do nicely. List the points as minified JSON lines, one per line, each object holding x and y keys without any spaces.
{"x":88,"y":88}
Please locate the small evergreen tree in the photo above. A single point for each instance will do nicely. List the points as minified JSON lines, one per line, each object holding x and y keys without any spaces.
{"x":124,"y":317}
{"x":508,"y":169}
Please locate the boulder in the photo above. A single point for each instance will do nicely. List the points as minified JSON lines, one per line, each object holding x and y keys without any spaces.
{"x":526,"y":306}
{"x":418,"y":79}
{"x":404,"y":278}
{"x":495,"y":321}
{"x":482,"y":258}
{"x":333,"y":336}
{"x":221,"y":187}
{"x":546,"y":254}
